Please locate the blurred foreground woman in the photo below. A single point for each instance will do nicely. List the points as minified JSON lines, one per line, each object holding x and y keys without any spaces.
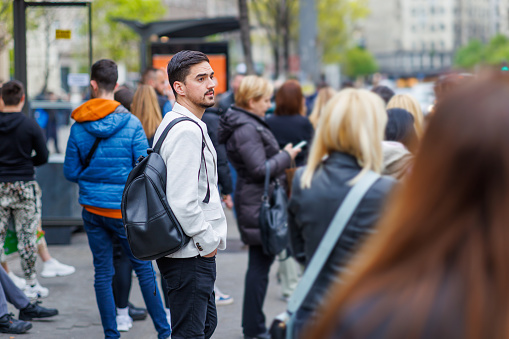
{"x":439,"y":267}
{"x":347,"y":144}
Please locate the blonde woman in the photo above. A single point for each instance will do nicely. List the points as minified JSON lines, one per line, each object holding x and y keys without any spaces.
{"x":323,"y":97}
{"x":146,"y":108}
{"x":409,"y":103}
{"x":249,"y":144}
{"x":347,"y":144}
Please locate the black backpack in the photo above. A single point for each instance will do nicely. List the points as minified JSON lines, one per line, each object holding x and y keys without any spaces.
{"x":152,"y":229}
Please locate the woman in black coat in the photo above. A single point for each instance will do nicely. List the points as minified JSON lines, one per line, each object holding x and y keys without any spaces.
{"x":348,"y":143}
{"x":249,"y":144}
{"x":288,"y":123}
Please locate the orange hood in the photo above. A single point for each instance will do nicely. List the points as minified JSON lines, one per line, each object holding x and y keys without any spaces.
{"x":94,"y":109}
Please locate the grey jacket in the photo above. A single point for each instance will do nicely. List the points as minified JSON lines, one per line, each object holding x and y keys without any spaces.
{"x":249,"y":143}
{"x":311,"y":211}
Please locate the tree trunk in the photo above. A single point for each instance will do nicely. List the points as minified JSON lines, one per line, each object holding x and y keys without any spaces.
{"x":285,"y":23}
{"x":245,"y":36}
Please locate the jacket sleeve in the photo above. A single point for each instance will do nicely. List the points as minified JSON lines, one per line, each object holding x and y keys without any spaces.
{"x":181,"y":151}
{"x":251,"y":149}
{"x":39,"y":146}
{"x":296,"y":238}
{"x":72,"y":162}
{"x":140,"y":143}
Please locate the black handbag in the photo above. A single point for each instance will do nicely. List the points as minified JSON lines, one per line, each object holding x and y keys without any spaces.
{"x":152,"y":229}
{"x":273,"y":218}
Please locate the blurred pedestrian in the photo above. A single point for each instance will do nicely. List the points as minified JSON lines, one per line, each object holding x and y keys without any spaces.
{"x":228,"y":98}
{"x":347,"y":144}
{"x":22,"y":146}
{"x":289,"y":123}
{"x":410,"y":104}
{"x":249,"y":144}
{"x":323,"y":97}
{"x":102,"y":149}
{"x":124,"y":95}
{"x":438,"y":268}
{"x":400,"y":143}
{"x":384,"y":92}
{"x":146,"y":108}
{"x":27,"y":310}
{"x":156,"y":78}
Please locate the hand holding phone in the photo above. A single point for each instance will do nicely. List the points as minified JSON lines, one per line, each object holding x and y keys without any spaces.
{"x":301,"y":144}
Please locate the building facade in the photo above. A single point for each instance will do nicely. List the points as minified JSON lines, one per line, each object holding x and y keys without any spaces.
{"x":413,"y":37}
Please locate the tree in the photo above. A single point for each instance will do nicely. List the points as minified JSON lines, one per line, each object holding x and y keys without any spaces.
{"x":470,"y":55}
{"x":275,"y":17}
{"x":359,"y":62}
{"x":245,"y":35}
{"x":336,"y":20}
{"x":5,"y":24}
{"x":114,"y":40}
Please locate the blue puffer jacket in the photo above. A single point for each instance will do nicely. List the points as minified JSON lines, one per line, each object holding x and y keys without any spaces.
{"x":102,"y":183}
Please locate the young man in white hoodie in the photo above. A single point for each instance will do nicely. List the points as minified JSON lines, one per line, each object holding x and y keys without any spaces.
{"x":193,"y":195}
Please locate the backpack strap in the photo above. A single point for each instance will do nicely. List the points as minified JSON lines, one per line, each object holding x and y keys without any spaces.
{"x":91,"y":152}
{"x":159,"y":143}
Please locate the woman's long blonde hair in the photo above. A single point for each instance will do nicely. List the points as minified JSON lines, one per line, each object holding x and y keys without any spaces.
{"x":352,"y":122}
{"x":146,"y":108}
{"x":409,"y":103}
{"x":323,"y":97}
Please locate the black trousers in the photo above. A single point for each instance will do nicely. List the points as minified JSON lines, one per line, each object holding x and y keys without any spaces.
{"x":191,"y":295}
{"x":256,"y":283}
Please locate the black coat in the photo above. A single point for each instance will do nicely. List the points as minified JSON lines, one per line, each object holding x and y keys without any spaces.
{"x":292,"y":129}
{"x":211,"y":119}
{"x":249,"y":144}
{"x":311,"y":211}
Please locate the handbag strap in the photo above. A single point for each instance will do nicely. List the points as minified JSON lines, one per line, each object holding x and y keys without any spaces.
{"x":267,"y":181}
{"x":91,"y":153}
{"x":330,"y":239}
{"x":159,"y":143}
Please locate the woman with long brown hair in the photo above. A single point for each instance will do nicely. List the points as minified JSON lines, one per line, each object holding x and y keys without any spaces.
{"x":146,"y":108}
{"x":439,"y":267}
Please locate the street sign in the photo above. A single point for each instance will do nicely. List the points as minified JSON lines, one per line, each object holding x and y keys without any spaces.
{"x":63,"y":34}
{"x":78,"y":79}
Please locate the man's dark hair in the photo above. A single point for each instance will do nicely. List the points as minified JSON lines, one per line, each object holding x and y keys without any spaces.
{"x":400,"y":128}
{"x":12,"y":92}
{"x":180,"y":64}
{"x":125,"y":95}
{"x":105,"y":73}
{"x":384,"y":92}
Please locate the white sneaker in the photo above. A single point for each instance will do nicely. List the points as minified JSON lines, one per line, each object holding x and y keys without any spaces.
{"x":19,"y":282}
{"x":53,"y":268}
{"x":42,"y":292}
{"x":124,"y":323}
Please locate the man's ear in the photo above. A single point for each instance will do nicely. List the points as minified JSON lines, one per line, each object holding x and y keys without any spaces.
{"x":94,"y":85}
{"x":179,"y":88}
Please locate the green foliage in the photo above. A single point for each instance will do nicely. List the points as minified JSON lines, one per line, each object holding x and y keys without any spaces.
{"x":470,"y":55}
{"x":5,"y":23}
{"x":114,"y":40}
{"x":359,"y":62}
{"x":336,"y":19}
{"x":476,"y":53}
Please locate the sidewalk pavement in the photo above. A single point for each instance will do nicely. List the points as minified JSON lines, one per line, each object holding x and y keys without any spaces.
{"x":74,"y":295}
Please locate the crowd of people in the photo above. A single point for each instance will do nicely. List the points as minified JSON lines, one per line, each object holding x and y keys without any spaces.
{"x":422,"y":255}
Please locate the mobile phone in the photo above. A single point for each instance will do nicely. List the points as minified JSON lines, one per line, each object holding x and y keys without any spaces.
{"x":301,"y":144}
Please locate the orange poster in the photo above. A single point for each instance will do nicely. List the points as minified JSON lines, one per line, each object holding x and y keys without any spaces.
{"x":217,"y":62}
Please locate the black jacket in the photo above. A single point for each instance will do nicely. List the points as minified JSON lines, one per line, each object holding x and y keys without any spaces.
{"x":292,"y":129}
{"x":249,"y":144}
{"x":311,"y":211}
{"x":211,"y":119}
{"x":19,"y":136}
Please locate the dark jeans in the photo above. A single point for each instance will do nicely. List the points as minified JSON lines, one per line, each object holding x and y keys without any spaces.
{"x":122,"y":279}
{"x":100,"y":231}
{"x":191,"y":295}
{"x":256,"y":283}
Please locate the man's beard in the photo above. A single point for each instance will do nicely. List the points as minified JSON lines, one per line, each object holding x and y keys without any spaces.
{"x":204,"y":104}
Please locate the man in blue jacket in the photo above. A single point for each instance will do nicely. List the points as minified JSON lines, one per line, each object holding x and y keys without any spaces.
{"x":101,"y":175}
